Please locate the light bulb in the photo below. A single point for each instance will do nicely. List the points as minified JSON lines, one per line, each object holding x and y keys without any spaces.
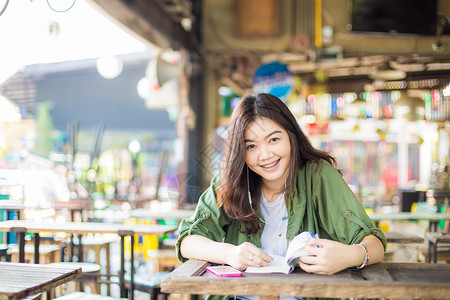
{"x":109,"y":67}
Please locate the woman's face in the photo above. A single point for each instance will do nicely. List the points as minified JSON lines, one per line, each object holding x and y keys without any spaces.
{"x":268,"y":150}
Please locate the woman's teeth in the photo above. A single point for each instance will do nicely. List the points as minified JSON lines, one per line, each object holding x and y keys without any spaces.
{"x":271,"y":165}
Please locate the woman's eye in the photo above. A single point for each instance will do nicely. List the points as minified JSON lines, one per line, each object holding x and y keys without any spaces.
{"x":274,"y":139}
{"x":250,"y":146}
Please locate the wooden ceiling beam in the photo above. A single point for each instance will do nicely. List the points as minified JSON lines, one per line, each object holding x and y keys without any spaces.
{"x":148,"y":20}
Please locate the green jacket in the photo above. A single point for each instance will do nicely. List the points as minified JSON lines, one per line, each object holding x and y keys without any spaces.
{"x":321,"y":203}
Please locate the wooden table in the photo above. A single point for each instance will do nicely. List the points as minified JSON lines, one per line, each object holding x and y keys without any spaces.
{"x":11,"y":205}
{"x":178,"y":214}
{"x":382,"y":280}
{"x":403,"y":238}
{"x":21,"y":280}
{"x":22,"y":227}
{"x":432,"y":218}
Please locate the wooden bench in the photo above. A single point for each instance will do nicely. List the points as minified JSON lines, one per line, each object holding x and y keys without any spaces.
{"x":86,"y":296}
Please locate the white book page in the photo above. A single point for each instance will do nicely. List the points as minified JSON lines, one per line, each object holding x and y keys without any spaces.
{"x":286,"y":264}
{"x":297,"y":244}
{"x":278,"y":265}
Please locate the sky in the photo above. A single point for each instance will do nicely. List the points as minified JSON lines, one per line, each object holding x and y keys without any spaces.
{"x":84,"y":32}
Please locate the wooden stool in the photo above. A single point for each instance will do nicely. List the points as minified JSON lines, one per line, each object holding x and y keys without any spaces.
{"x":85,"y":296}
{"x":89,"y":269}
{"x":97,"y":245}
{"x":163,"y":259}
{"x":47,"y":253}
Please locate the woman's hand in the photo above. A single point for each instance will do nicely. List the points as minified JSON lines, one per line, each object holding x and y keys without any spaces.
{"x":330,"y":257}
{"x":240,"y":257}
{"x":247,"y":255}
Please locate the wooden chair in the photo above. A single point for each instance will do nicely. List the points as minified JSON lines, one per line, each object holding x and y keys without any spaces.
{"x":438,"y":247}
{"x":47,"y":253}
{"x":4,"y":256}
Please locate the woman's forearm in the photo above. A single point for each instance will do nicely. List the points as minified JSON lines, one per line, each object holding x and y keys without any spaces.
{"x":374,"y":247}
{"x":199,"y":247}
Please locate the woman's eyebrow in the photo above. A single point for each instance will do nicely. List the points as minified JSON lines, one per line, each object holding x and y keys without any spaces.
{"x":267,"y":136}
{"x":276,"y":131}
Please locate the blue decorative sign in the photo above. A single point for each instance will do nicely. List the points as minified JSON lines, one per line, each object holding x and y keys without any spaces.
{"x":274,"y":78}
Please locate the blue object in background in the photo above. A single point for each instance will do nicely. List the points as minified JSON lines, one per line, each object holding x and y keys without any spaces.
{"x":11,"y":235}
{"x":2,"y":234}
{"x":274,"y":78}
{"x":7,"y":237}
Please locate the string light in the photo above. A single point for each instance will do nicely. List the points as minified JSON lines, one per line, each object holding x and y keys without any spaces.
{"x":61,"y":10}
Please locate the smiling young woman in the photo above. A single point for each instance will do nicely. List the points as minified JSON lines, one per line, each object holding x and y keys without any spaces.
{"x":273,"y":185}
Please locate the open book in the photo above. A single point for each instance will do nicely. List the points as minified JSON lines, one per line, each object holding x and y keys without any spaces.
{"x":286,"y":264}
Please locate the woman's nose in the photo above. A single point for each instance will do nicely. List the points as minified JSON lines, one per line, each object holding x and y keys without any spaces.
{"x":264,"y":152}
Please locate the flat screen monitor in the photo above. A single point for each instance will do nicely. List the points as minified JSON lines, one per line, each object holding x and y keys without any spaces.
{"x":416,"y":17}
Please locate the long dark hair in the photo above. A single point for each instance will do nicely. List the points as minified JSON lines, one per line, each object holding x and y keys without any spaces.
{"x":233,"y":191}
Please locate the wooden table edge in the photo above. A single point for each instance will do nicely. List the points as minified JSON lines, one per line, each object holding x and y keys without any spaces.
{"x":76,"y":273}
{"x":178,"y":281}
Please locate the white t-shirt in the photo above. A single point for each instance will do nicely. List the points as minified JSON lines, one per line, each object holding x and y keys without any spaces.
{"x":273,"y":238}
